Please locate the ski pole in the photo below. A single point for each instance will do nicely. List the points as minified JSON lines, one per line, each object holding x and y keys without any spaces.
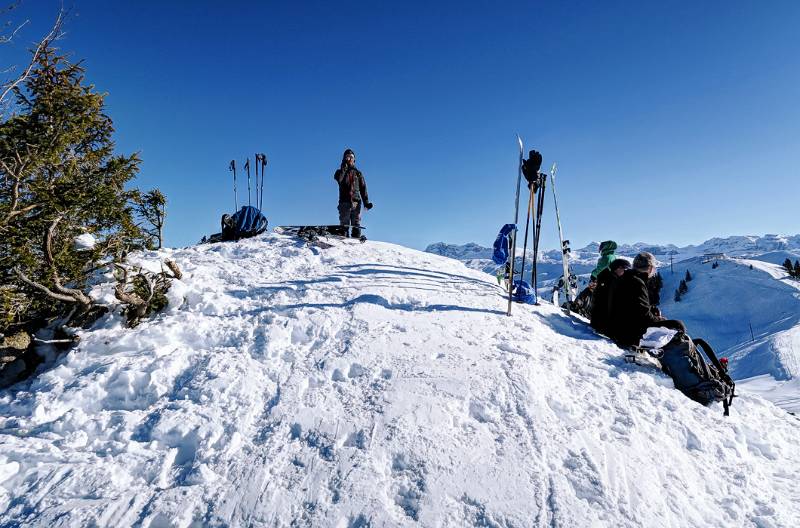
{"x":232,"y":168}
{"x":540,"y":207}
{"x":257,"y":206}
{"x":247,"y":168}
{"x":263,"y":168}
{"x":525,"y":243}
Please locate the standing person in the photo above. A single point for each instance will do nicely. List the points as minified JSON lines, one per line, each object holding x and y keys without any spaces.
{"x":352,"y":193}
{"x":630,"y":313}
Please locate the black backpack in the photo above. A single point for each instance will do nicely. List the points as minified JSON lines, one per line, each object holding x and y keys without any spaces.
{"x":703,"y":381}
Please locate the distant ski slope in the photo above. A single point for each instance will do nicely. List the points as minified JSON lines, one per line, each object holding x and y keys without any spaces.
{"x":723,"y":303}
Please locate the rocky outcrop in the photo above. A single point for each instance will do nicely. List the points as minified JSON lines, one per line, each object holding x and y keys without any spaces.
{"x":17,"y":358}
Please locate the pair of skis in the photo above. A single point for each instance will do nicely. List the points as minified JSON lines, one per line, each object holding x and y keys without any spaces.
{"x":568,"y":281}
{"x":536,"y":185}
{"x":261,"y":161}
{"x":312,"y":233}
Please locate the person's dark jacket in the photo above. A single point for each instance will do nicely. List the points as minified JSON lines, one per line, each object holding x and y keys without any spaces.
{"x":352,"y":186}
{"x":599,"y":318}
{"x":629,"y":310}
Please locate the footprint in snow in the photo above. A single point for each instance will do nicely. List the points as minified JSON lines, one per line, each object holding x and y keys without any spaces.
{"x":409,"y":484}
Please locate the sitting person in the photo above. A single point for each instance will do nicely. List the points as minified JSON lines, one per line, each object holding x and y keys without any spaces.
{"x":610,"y":274}
{"x":583,"y":302}
{"x":607,"y":256}
{"x":630,"y":313}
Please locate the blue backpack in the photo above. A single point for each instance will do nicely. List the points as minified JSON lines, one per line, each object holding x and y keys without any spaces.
{"x":500,"y":255}
{"x":246,"y":222}
{"x":523,"y":293}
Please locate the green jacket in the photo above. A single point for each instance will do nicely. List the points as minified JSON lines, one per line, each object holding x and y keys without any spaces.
{"x":607,"y":256}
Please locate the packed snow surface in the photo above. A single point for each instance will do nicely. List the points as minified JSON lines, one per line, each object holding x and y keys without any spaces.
{"x":373,"y":385}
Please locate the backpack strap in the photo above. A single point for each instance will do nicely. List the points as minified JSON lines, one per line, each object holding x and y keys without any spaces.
{"x":727,"y":402}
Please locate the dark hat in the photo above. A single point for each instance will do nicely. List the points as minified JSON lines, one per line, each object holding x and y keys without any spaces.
{"x":619,"y":263}
{"x":608,"y":245}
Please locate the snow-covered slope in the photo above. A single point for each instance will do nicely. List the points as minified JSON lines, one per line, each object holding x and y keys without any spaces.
{"x":373,"y":385}
{"x":725,"y":302}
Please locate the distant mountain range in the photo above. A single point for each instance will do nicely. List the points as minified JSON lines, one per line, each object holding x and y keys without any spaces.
{"x":584,"y":259}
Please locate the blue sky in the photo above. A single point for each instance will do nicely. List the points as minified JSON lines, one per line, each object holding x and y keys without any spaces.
{"x":670,"y":121}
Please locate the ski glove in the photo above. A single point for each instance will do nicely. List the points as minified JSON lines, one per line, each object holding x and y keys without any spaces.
{"x":368,"y":205}
{"x":531,"y":166}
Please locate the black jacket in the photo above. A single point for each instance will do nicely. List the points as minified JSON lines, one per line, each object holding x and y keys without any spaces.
{"x":599,"y":318}
{"x":629,"y":310}
{"x":352,"y":186}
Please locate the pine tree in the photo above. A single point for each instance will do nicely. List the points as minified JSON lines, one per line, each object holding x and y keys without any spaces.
{"x":59,"y":178}
{"x":797,"y":268}
{"x":751,"y":266}
{"x":151,"y":207}
{"x":654,"y":285}
{"x":688,"y":276}
{"x":677,"y":296}
{"x":715,"y":265}
{"x":683,"y":288}
{"x":787,"y":264}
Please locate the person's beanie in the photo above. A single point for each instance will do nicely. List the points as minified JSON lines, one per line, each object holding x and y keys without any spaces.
{"x":347,"y":152}
{"x":643,"y":261}
{"x":619,"y":263}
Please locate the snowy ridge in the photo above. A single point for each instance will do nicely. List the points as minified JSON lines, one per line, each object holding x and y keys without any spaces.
{"x":738,"y":246}
{"x":373,"y":385}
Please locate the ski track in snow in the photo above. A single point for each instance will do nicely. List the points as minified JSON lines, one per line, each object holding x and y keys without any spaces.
{"x":373,"y":385}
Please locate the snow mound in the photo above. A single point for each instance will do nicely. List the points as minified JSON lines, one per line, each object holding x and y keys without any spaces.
{"x":373,"y":385}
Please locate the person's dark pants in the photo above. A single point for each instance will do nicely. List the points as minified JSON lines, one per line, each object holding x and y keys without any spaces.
{"x":350,"y":215}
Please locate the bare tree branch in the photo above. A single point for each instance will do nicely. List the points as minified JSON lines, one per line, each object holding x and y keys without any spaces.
{"x":173,"y":267}
{"x":79,"y":297}
{"x":54,"y":34}
{"x":137,"y":304}
{"x":6,"y":40}
{"x":41,"y":287}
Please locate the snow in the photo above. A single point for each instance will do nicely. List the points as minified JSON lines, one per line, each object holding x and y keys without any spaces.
{"x":769,"y":248}
{"x":85,"y":241}
{"x":721,"y":306}
{"x":784,"y":393}
{"x":723,"y":303}
{"x":373,"y":385}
